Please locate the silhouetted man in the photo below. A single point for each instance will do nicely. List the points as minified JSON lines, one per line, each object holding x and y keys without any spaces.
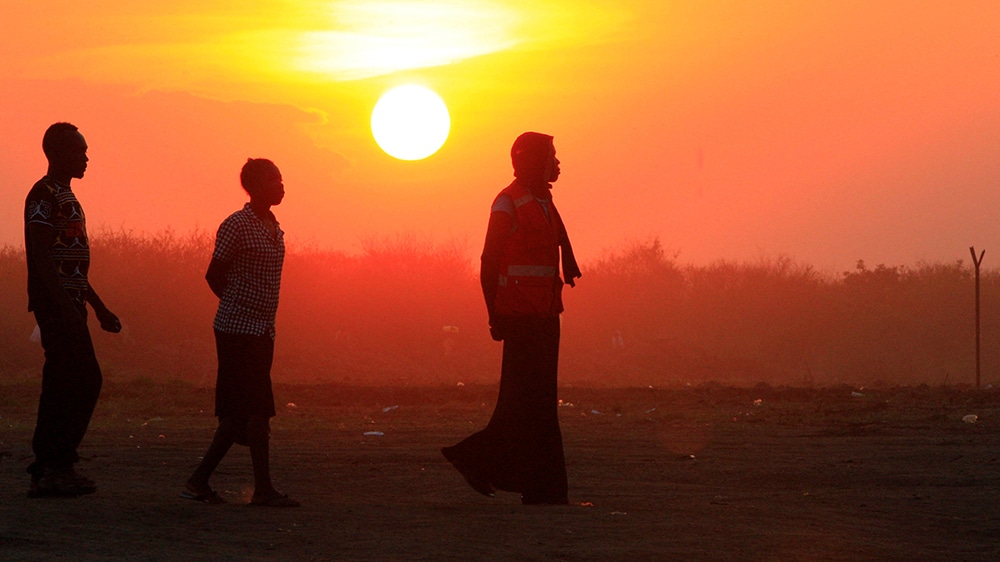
{"x":245,"y":273}
{"x":520,"y":450}
{"x":58,"y":257}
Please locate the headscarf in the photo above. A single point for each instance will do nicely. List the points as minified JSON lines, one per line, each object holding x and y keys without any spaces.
{"x":531,"y":155}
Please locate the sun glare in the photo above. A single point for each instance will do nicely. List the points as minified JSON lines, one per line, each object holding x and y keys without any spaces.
{"x":410,"y":122}
{"x":375,"y":37}
{"x":207,"y":48}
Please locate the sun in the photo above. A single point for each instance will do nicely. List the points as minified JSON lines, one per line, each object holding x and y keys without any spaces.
{"x":410,"y":122}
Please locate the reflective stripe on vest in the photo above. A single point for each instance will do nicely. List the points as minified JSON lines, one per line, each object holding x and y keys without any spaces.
{"x":531,"y":271}
{"x":524,"y":200}
{"x":528,"y":271}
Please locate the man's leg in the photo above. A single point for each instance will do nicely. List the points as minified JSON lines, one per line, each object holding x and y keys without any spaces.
{"x":71,"y":384}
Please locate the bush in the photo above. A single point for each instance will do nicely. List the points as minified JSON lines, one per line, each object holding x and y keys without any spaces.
{"x":406,"y":312}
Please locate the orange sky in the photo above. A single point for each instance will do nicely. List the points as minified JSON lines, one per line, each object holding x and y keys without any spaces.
{"x":824,"y":131}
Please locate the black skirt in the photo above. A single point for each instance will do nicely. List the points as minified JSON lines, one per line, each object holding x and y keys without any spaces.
{"x":243,"y":386}
{"x":521,"y":449}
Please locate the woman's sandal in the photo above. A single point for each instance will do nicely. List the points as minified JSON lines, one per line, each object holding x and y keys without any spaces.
{"x":207,"y":495}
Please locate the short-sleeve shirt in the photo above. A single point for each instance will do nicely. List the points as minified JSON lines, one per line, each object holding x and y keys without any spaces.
{"x":54,"y":205}
{"x":255,"y":256}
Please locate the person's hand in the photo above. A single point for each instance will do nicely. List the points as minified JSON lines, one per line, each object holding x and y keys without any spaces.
{"x":497,"y":331}
{"x":109,"y":322}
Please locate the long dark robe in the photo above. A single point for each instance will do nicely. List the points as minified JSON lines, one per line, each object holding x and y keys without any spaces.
{"x":521,"y":450}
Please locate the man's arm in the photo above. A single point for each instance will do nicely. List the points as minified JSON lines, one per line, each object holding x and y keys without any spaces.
{"x":497,"y":234}
{"x":109,"y":321}
{"x":216,"y":276}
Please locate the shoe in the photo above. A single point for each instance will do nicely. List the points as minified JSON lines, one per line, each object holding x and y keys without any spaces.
{"x":60,"y":482}
{"x":478,"y":483}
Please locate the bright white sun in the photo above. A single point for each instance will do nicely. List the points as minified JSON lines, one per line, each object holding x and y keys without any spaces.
{"x":410,"y":122}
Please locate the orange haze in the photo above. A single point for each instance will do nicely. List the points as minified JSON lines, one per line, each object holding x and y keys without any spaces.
{"x":826,"y":132}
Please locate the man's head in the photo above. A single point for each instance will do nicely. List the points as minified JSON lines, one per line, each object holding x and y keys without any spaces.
{"x":533,"y":156}
{"x":66,"y":150}
{"x":262,"y":180}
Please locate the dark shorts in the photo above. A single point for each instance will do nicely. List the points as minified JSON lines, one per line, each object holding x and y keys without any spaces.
{"x":243,"y":386}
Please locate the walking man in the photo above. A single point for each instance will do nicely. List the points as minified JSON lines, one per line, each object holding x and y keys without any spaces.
{"x":58,"y":257}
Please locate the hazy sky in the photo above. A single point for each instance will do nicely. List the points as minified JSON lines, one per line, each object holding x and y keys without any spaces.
{"x":824,"y":131}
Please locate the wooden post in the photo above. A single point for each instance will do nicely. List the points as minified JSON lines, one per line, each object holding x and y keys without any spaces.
{"x":977,"y":261}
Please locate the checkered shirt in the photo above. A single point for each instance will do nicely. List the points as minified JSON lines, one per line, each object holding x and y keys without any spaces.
{"x":255,"y":256}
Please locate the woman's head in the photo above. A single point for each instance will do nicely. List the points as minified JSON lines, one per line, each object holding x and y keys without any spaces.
{"x":533,"y":156}
{"x":262,"y":180}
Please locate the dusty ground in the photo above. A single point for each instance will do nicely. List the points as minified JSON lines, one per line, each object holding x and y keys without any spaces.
{"x":701,"y":473}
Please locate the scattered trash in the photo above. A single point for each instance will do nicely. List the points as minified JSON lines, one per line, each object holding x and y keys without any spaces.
{"x":586,"y":504}
{"x":971,"y":418}
{"x":596,"y":412}
{"x":649,"y":411}
{"x":450,"y":329}
{"x":36,"y":335}
{"x":291,"y":405}
{"x":389,"y":409}
{"x":374,"y":434}
{"x":162,"y":436}
{"x":460,"y":383}
{"x":758,"y":402}
{"x":857,"y":394}
{"x":567,"y":404}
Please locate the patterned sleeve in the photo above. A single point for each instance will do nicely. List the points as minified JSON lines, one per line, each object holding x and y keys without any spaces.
{"x":227,"y":241}
{"x":39,"y":207}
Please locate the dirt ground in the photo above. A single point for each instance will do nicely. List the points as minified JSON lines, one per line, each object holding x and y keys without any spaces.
{"x":707,"y":472}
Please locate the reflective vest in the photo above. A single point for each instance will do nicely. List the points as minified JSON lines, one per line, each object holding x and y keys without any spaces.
{"x":529,"y":283}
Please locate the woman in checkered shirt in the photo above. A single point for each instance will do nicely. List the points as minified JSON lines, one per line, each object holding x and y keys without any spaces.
{"x":245,"y":273}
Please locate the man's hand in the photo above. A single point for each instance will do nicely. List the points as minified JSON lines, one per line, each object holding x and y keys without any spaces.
{"x":109,"y":322}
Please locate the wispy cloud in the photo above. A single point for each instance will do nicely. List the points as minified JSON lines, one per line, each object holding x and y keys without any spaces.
{"x":184,"y":45}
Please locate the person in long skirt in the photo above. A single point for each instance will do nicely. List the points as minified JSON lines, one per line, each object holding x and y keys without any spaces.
{"x":520,"y":449}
